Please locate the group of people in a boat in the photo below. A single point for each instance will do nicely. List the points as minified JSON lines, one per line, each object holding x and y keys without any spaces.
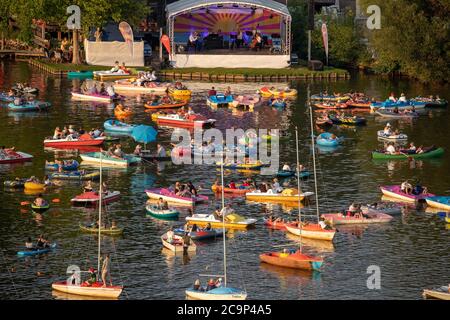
{"x":115,"y":151}
{"x":402,"y":98}
{"x":89,"y":187}
{"x":60,"y":164}
{"x":407,"y":188}
{"x":103,"y":90}
{"x":8,"y":153}
{"x":184,"y":189}
{"x":70,"y":133}
{"x":40,"y":201}
{"x":411,"y":149}
{"x":156,"y":100}
{"x":213,"y":92}
{"x":160,"y":151}
{"x":211,"y":284}
{"x":120,"y":69}
{"x":245,"y":184}
{"x":46,"y":181}
{"x":145,"y":77}
{"x":92,"y":275}
{"x":41,"y":243}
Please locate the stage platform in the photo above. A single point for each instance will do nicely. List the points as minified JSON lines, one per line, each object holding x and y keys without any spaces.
{"x":230,"y":60}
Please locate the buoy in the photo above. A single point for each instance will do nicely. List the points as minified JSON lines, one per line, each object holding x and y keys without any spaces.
{"x":24,"y":203}
{"x":56,"y":200}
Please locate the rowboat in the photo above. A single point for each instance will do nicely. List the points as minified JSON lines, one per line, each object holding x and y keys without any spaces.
{"x":108,"y":75}
{"x":34,"y":186}
{"x":117,"y":126}
{"x":331,"y":105}
{"x":129,"y":85}
{"x":311,"y":231}
{"x":238,"y":191}
{"x":112,"y":231}
{"x":219,"y":100}
{"x":189,"y":121}
{"x":80,"y":74}
{"x":247,"y":101}
{"x":355,"y":121}
{"x":75,"y":175}
{"x":399,"y":115}
{"x":295,"y":260}
{"x":92,"y":198}
{"x":95,"y":290}
{"x":440,"y":202}
{"x":367,"y":218}
{"x":232,"y":221}
{"x":330,"y":98}
{"x":442,"y":293}
{"x":432,"y":153}
{"x":167,"y":214}
{"x":30,"y":106}
{"x":288,"y":195}
{"x":170,"y":196}
{"x":83,"y":140}
{"x":269,"y":92}
{"x":40,"y":209}
{"x":201,"y":234}
{"x":73,"y":165}
{"x":326,"y":140}
{"x":95,"y":97}
{"x":173,"y":105}
{"x":35,"y":251}
{"x":94,"y":158}
{"x":401,"y":105}
{"x":396,"y":193}
{"x":15,"y":157}
{"x":177,"y":245}
{"x":392,"y":137}
{"x":221,"y":293}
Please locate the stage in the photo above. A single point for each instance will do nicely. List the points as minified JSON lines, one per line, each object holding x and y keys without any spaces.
{"x":230,"y":61}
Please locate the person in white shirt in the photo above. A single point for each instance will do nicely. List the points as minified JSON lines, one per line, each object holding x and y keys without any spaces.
{"x":402,"y":98}
{"x":193,"y":40}
{"x":392,"y":97}
{"x":391,"y":149}
{"x":387,"y":129}
{"x":276,"y":186}
{"x":286,"y":167}
{"x":226,"y":211}
{"x":322,"y":223}
{"x":412,"y":147}
{"x":110,"y":91}
{"x":406,"y":187}
{"x":152,"y":76}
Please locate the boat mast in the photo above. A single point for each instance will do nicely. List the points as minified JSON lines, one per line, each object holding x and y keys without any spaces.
{"x":314,"y":157}
{"x":298,"y":188}
{"x":100,"y":215}
{"x":223,"y":228}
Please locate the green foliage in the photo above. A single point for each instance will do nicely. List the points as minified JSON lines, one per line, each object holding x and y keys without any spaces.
{"x":413,"y":39}
{"x":299,"y":14}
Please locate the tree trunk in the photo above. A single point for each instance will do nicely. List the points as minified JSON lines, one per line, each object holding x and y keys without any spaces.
{"x":2,"y":41}
{"x":76,"y":48}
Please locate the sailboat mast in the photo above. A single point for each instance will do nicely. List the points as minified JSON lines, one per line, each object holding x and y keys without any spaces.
{"x":298,"y":188}
{"x":100,"y":215}
{"x":223,"y":228}
{"x":314,"y":159}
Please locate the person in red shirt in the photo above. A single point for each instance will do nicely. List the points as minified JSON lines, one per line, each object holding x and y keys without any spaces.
{"x":212,"y":92}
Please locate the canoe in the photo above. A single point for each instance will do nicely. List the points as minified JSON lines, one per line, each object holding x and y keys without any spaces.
{"x":220,"y":293}
{"x":83,"y":140}
{"x":176,"y":104}
{"x":121,"y":113}
{"x":16,"y":157}
{"x":129,"y":85}
{"x":330,"y":98}
{"x":331,"y":105}
{"x":432,"y":103}
{"x":434,"y":153}
{"x":106,"y":75}
{"x":36,"y":251}
{"x":219,"y":100}
{"x":237,"y":166}
{"x":40,"y":209}
{"x":247,"y":101}
{"x":154,"y":211}
{"x":180,"y":92}
{"x":107,"y":161}
{"x":276,"y":197}
{"x":441,"y":293}
{"x":325,"y":140}
{"x":92,"y":198}
{"x":390,"y":105}
{"x":168,"y":195}
{"x":15,"y":184}
{"x":392,"y":137}
{"x":237,"y":191}
{"x":396,"y":193}
{"x":176,"y":120}
{"x":30,"y":106}
{"x":65,"y":167}
{"x":95,"y":290}
{"x":95,"y":97}
{"x":232,"y":221}
{"x":269,"y":92}
{"x":296,"y":260}
{"x":176,"y":245}
{"x":80,"y":74}
{"x":75,"y":175}
{"x":311,"y":231}
{"x":399,"y":115}
{"x":355,"y":121}
{"x":117,"y":126}
{"x":440,"y":202}
{"x":109,"y":231}
{"x":369,"y":218}
{"x":34,"y":186}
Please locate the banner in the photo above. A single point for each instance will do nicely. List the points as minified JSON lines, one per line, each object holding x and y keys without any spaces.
{"x":165,"y":40}
{"x":127,"y":34}
{"x":325,"y":39}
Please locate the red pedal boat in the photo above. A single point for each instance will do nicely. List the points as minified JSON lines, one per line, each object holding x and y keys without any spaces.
{"x":11,"y":156}
{"x":92,"y":198}
{"x":83,"y":140}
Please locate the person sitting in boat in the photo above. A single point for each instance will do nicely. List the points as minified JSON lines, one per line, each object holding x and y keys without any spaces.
{"x":322,"y":223}
{"x":218,"y":282}
{"x":42,"y":242}
{"x":39,"y":201}
{"x":391,"y":149}
{"x":276,"y":186}
{"x":392,"y":97}
{"x":208,"y":227}
{"x":191,"y":188}
{"x":29,"y":244}
{"x":211,"y":284}
{"x":418,"y":189}
{"x":232,"y":185}
{"x":47,"y":181}
{"x":118,"y":153}
{"x":110,"y":91}
{"x":263,"y":188}
{"x":406,"y":187}
{"x":116,"y":67}
{"x":57,"y":133}
{"x":18,"y":101}
{"x":212,"y":92}
{"x":402,"y":98}
{"x":387,"y":129}
{"x":166,"y":99}
{"x":88,"y":186}
{"x":102,"y":89}
{"x":228,"y":91}
{"x":94,"y":90}
{"x":197,"y":285}
{"x":226,"y":211}
{"x":278,"y":101}
{"x":412,"y":148}
{"x":92,"y":278}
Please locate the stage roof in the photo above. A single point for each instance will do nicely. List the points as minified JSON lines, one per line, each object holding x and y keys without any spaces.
{"x":182,"y":6}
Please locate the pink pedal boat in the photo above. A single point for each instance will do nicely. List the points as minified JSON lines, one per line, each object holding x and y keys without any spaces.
{"x":170,"y":196}
{"x":397,"y":193}
{"x":92,"y":198}
{"x":368,"y":218}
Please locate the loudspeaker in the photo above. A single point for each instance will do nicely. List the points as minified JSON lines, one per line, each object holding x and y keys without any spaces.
{"x":311,"y":14}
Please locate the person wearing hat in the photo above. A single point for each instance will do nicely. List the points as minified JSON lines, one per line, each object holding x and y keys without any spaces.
{"x":92,"y":277}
